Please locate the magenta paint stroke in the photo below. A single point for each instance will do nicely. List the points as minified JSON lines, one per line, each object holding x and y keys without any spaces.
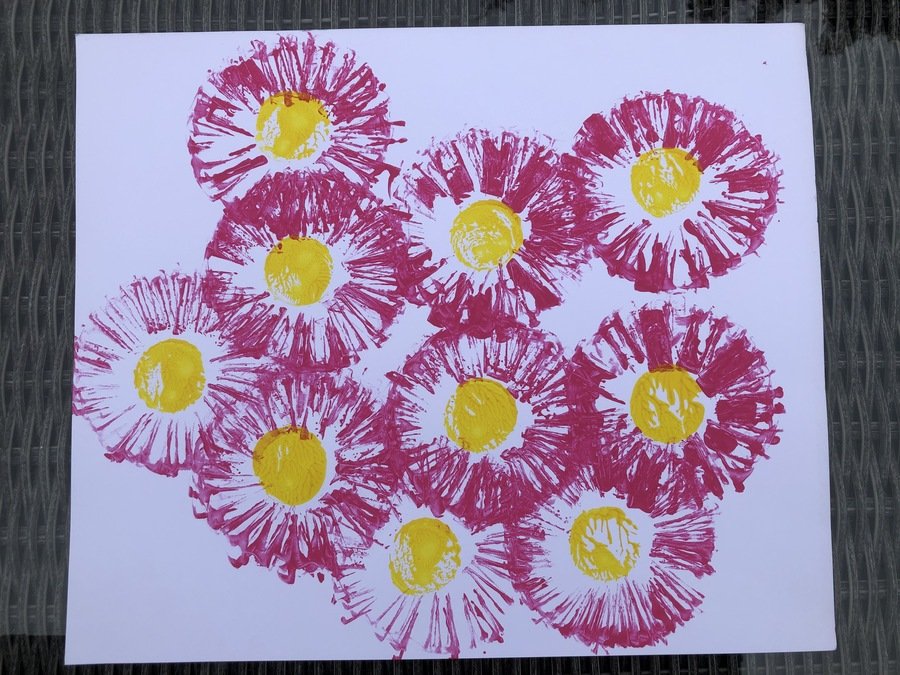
{"x":709,"y":235}
{"x":108,"y":351}
{"x":228,"y":157}
{"x":337,"y":521}
{"x":371,"y":270}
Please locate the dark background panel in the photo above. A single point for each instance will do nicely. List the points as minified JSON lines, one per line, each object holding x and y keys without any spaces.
{"x":854,"y":59}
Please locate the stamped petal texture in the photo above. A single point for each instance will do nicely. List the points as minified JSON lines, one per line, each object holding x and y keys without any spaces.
{"x":298,"y":105}
{"x":681,"y":190}
{"x":150,"y":367}
{"x":493,"y":222}
{"x":311,"y":270}
{"x":677,"y":394}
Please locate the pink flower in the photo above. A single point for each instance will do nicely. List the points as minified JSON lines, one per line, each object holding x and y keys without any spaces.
{"x":300,"y":106}
{"x":493,"y":223}
{"x":149,"y":369}
{"x":679,"y":394}
{"x":481,"y":424}
{"x":308,"y":269}
{"x":430,"y":582}
{"x":681,"y":190}
{"x":295,"y":474}
{"x":612,"y":567}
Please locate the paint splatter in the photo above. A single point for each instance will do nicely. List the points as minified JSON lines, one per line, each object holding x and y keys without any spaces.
{"x":612,"y":567}
{"x":481,"y":424}
{"x":149,"y":368}
{"x":297,"y":106}
{"x":677,"y":395}
{"x":494,"y":225}
{"x":311,"y":270}
{"x":295,"y":474}
{"x":430,"y":583}
{"x":681,"y":190}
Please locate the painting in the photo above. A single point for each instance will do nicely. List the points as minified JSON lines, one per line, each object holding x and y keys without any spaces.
{"x":416,"y":371}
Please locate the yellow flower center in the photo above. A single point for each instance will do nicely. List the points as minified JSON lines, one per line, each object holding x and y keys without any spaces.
{"x":664,"y":404}
{"x":665,"y":180}
{"x":292,"y":125}
{"x":291,"y":464}
{"x":480,"y":415}
{"x":425,"y":556}
{"x":486,"y":234}
{"x":602,"y":543}
{"x":298,"y":270}
{"x":169,"y":375}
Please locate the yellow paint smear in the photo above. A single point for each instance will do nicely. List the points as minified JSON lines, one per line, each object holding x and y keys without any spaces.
{"x":665,"y":180}
{"x":291,"y":464}
{"x":292,"y":125}
{"x":298,"y":270}
{"x":602,"y":543}
{"x":480,"y":415}
{"x":169,"y":376}
{"x":425,"y":557}
{"x":664,"y":405}
{"x":486,"y":234}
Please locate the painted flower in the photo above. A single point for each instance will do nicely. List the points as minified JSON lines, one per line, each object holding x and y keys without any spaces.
{"x":612,"y":567}
{"x":430,"y":582}
{"x":301,"y":105}
{"x":677,"y":393}
{"x":493,"y":221}
{"x":295,"y":474}
{"x":681,"y":190}
{"x":149,"y":369}
{"x":481,"y":423}
{"x":308,"y":269}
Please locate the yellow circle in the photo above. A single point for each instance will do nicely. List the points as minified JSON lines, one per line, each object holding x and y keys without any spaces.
{"x":480,"y":415}
{"x":664,"y":405}
{"x":291,"y":464}
{"x":602,"y":543}
{"x":665,"y":180}
{"x":298,"y":270}
{"x":486,"y":234}
{"x":292,"y":125}
{"x":169,"y":375}
{"x":425,"y":556}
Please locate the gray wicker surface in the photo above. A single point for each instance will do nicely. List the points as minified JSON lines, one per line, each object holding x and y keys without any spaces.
{"x":854,"y":55}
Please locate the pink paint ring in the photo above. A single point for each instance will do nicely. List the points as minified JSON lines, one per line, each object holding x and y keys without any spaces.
{"x":741,"y":404}
{"x":523,"y":172}
{"x":366,"y":291}
{"x":725,"y":221}
{"x":324,"y":533}
{"x":226,"y":155}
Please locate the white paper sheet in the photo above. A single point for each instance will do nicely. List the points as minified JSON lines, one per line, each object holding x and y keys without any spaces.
{"x":151,"y":582}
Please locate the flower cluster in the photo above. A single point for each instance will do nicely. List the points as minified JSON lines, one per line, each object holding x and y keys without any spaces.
{"x":492,"y":467}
